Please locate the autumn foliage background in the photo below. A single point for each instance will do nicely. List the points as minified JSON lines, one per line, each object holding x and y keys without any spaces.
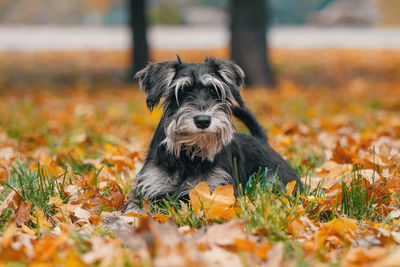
{"x":73,"y":136}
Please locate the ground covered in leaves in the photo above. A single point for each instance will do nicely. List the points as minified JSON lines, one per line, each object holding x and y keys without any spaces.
{"x":73,"y":137}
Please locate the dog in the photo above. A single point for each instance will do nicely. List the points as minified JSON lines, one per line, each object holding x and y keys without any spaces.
{"x":195,"y":139}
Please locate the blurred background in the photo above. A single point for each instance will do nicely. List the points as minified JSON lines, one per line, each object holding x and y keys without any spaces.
{"x":91,"y":42}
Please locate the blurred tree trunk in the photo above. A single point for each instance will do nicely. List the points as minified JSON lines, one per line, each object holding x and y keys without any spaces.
{"x":248,"y":41}
{"x":138,"y":23}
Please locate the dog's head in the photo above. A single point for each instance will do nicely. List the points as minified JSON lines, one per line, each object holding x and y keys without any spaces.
{"x":197,"y":103}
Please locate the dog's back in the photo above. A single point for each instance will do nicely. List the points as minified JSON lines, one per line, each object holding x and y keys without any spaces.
{"x":259,"y":152}
{"x":248,"y":118}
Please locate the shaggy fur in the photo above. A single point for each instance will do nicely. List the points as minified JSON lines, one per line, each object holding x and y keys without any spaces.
{"x":195,"y":140}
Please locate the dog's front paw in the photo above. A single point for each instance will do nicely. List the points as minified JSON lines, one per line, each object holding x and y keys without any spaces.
{"x":131,"y":206}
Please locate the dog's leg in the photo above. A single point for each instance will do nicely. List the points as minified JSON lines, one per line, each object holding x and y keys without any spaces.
{"x":152,"y":183}
{"x":133,"y":202}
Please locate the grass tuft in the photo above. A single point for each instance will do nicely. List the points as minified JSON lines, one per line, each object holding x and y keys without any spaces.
{"x":36,"y":186}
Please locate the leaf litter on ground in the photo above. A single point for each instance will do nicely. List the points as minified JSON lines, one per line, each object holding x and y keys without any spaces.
{"x":68,"y":159}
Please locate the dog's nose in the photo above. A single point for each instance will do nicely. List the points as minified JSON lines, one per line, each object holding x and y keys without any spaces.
{"x":202,"y":121}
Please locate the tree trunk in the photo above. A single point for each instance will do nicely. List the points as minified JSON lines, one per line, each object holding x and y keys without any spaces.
{"x":248,"y":41}
{"x":138,"y":23}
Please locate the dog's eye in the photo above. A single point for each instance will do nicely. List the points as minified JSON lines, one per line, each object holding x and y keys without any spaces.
{"x":212,"y":91}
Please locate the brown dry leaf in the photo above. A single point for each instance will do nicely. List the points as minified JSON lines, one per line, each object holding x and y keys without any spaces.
{"x":8,"y":235}
{"x":333,"y":172}
{"x":81,"y":213}
{"x":224,"y":235}
{"x":164,"y":243}
{"x":116,"y":200}
{"x":391,"y":260}
{"x":276,"y":255}
{"x":103,"y":251}
{"x":12,"y":201}
{"x":217,"y":256}
{"x":217,"y":205}
{"x":23,"y":213}
{"x":358,"y":256}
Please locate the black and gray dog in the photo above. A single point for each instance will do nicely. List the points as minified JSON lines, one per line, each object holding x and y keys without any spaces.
{"x":195,"y":140}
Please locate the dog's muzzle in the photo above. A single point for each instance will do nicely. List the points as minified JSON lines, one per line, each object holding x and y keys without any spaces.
{"x":198,"y":131}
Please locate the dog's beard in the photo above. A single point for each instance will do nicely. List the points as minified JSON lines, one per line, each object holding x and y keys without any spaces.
{"x":183,"y":135}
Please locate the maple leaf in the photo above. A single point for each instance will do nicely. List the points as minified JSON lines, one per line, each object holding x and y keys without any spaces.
{"x":217,"y":205}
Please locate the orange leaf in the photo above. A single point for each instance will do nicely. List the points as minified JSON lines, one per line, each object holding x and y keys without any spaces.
{"x":290,"y":187}
{"x":358,"y":256}
{"x":244,"y":245}
{"x":161,"y":218}
{"x":216,"y":205}
{"x":262,"y":250}
{"x":335,"y":233}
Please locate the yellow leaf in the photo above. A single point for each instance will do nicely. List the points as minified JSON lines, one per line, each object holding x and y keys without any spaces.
{"x":161,"y":218}
{"x":137,"y":215}
{"x":78,"y":153}
{"x":56,"y":201}
{"x":290,"y":187}
{"x":40,"y":219}
{"x":335,"y":233}
{"x":216,"y":205}
{"x":312,"y":199}
{"x":28,"y":230}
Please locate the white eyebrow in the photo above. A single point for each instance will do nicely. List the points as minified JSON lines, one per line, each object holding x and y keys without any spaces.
{"x":179,"y":84}
{"x":220,"y":87}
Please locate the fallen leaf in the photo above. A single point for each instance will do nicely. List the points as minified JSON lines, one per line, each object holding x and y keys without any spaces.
{"x":244,"y":245}
{"x":262,"y":250}
{"x":360,"y":256}
{"x":12,"y":201}
{"x":290,"y":187}
{"x":23,"y":213}
{"x":217,"y":235}
{"x":162,"y":218}
{"x":217,"y":205}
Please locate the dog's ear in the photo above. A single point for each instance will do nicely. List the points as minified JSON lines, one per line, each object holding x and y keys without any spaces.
{"x":155,"y":80}
{"x":231,"y":73}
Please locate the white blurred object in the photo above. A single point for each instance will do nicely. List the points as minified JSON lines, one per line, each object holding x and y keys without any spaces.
{"x":359,"y":13}
{"x":28,"y":38}
{"x":204,"y":15}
